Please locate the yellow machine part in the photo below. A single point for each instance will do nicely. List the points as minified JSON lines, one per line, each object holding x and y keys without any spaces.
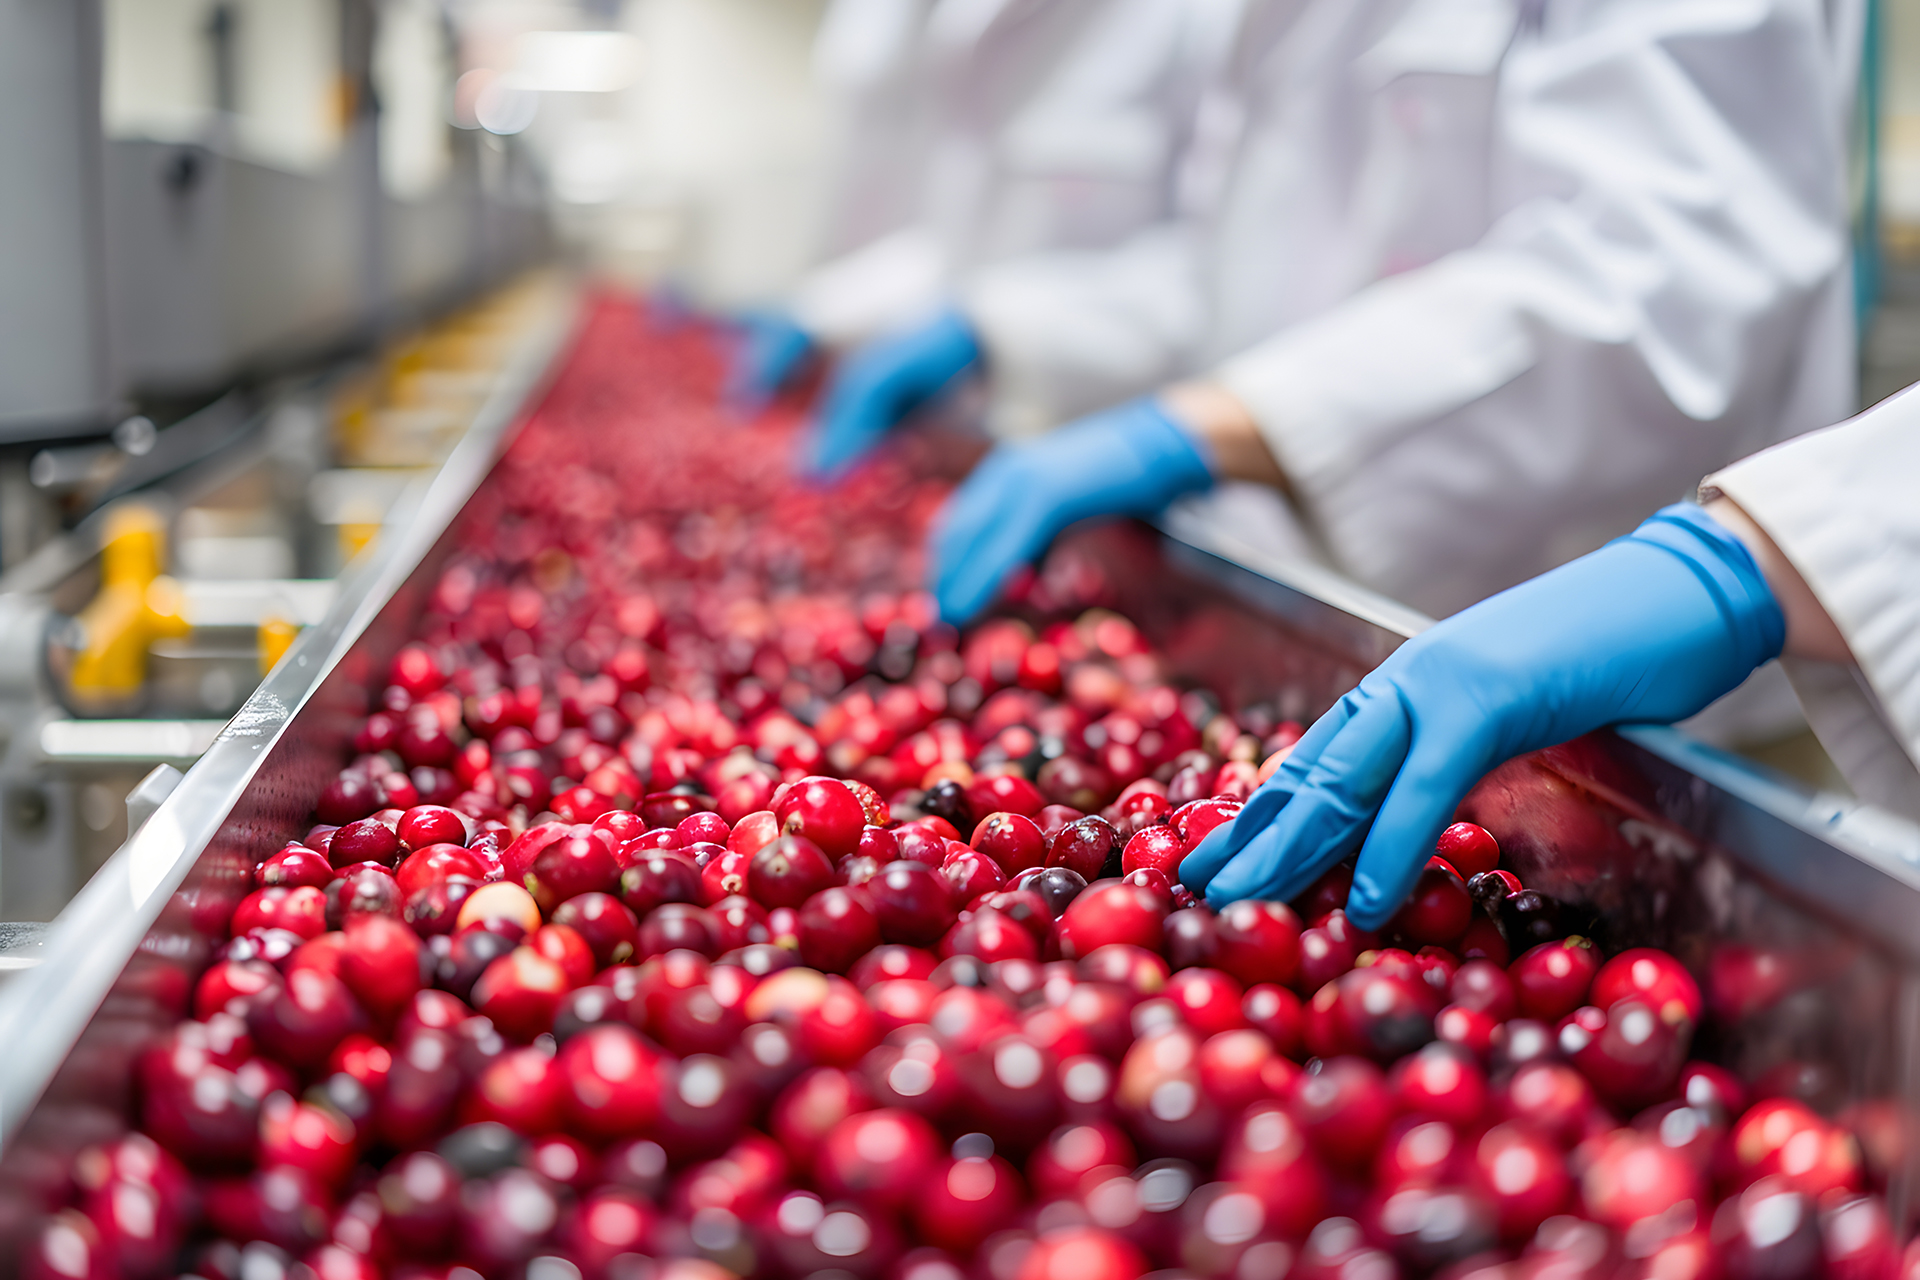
{"x":137,"y":605}
{"x":275,"y":636}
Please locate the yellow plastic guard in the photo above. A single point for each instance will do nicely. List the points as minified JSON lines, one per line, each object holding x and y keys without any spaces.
{"x":136,"y":606}
{"x":275,"y":637}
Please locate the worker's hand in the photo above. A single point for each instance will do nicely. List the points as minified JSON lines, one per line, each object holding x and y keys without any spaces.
{"x":1131,"y":460}
{"x":772,"y":351}
{"x":876,"y":386}
{"x":1651,"y":627}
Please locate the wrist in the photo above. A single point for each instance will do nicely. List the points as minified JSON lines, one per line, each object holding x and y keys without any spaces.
{"x":1228,"y":434}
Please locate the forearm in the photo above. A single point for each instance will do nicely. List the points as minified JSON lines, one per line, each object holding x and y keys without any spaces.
{"x":1215,"y":416}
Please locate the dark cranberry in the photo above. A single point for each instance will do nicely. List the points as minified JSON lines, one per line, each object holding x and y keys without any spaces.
{"x":606,"y":923}
{"x":422,"y":1089}
{"x":911,"y":903}
{"x":1480,"y":985}
{"x":365,"y":892}
{"x":347,"y":799}
{"x":1058,"y":885}
{"x":1767,"y":1232}
{"x":837,"y":926}
{"x":677,"y":926}
{"x":585,"y":1007}
{"x":505,"y":1220}
{"x":789,"y":871}
{"x":1530,"y":918}
{"x":659,"y":876}
{"x":1080,"y":783}
{"x":1373,"y":1012}
{"x":948,"y":799}
{"x":1085,"y":846}
{"x":309,"y":1016}
{"x":1438,"y":909}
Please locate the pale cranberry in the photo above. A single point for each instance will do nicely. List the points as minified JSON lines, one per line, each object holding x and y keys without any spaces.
{"x":1257,"y":942}
{"x":1552,"y":980}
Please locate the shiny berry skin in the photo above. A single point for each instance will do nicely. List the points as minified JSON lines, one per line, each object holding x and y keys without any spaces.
{"x":990,"y":936}
{"x":1469,"y":849}
{"x":1781,"y":1137}
{"x":724,"y":877}
{"x":521,"y":992}
{"x":1438,"y":910}
{"x":1441,"y":1082}
{"x":1551,"y":1098}
{"x":1241,"y":1067}
{"x":708,"y":827}
{"x":1418,"y":1152}
{"x":1085,"y":847}
{"x":808,"y":1108}
{"x":1005,"y":792}
{"x":1157,"y":847}
{"x":1195,"y":821}
{"x":738,"y":921}
{"x":790,"y":870}
{"x":612,"y":1081}
{"x":1208,"y":1000}
{"x":346,"y":799}
{"x":570,"y":867}
{"x":438,"y":862}
{"x":301,"y":910}
{"x":497,"y":905}
{"x":1552,"y":979}
{"x":676,"y":926}
{"x":1081,"y":1253}
{"x":660,"y":876}
{"x":1276,"y":1012}
{"x":1530,"y":918}
{"x":1483,"y":986}
{"x":316,"y":1140}
{"x":427,"y":824}
{"x":1257,"y":942}
{"x":380,"y":963}
{"x":1190,"y":937}
{"x":1629,"y":1053}
{"x":367,"y":890}
{"x":1768,"y":1230}
{"x":880,"y":1158}
{"x":890,"y":961}
{"x":1373,"y":1012}
{"x":1058,"y":886}
{"x":837,"y":926}
{"x":966,"y":1201}
{"x":294,"y":866}
{"x":1344,"y":1109}
{"x":1523,"y":1175}
{"x":234,"y":984}
{"x":1653,"y":977}
{"x":364,"y":840}
{"x":608,"y":925}
{"x":1627,"y":1176}
{"x":1012,"y":840}
{"x":1108,"y":913}
{"x":310,"y":1015}
{"x":912,"y":903}
{"x":825,"y":813}
{"x":1071,"y":1153}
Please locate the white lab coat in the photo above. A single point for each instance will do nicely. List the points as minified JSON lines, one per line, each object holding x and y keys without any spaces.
{"x":1843,"y":505}
{"x":973,"y":131}
{"x":1495,"y":277}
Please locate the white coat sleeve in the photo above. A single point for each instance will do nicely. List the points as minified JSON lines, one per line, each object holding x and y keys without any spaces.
{"x":1671,"y":175}
{"x":895,"y":281}
{"x":1843,"y":504}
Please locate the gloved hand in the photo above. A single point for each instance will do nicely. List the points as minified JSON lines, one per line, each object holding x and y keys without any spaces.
{"x":772,"y":349}
{"x":1130,"y":460}
{"x":1651,"y":627}
{"x":882,"y":382}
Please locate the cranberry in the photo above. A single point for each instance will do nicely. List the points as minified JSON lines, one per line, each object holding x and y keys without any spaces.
{"x":987,"y":934}
{"x":309,"y":1016}
{"x":724,"y":877}
{"x":1859,"y":1238}
{"x":1081,"y":1253}
{"x":1111,"y":913}
{"x":1470,"y":1029}
{"x":1158,"y":848}
{"x":1005,"y":792}
{"x":703,"y":1107}
{"x":1373,"y":1012}
{"x":1628,"y":1176}
{"x":347,"y":798}
{"x":1208,"y":1000}
{"x":881,"y":1158}
{"x":301,"y":910}
{"x":1781,"y":1137}
{"x":504,"y":908}
{"x":837,"y":926}
{"x":888,"y":962}
{"x":380,"y":963}
{"x":467,"y":957}
{"x":521,"y":992}
{"x":1442,"y":1082}
{"x":606,"y":923}
{"x":570,"y":867}
{"x":1257,"y":942}
{"x":1013,"y":841}
{"x":660,"y":876}
{"x":812,"y":1105}
{"x":737,"y":922}
{"x":1418,"y":1152}
{"x":708,"y":827}
{"x":427,"y":824}
{"x":1190,"y":938}
{"x":364,"y":840}
{"x":505,"y":1220}
{"x":235,"y":985}
{"x":1084,"y":847}
{"x":677,"y":926}
{"x":1241,"y":1067}
{"x":1195,"y":821}
{"x":808,"y":1237}
{"x":1160,"y":1093}
{"x":1277,"y":1012}
{"x":1530,"y":918}
{"x":969,"y":1199}
{"x":1768,"y":1230}
{"x":1712,"y":1089}
{"x":1655,"y":978}
{"x":365,"y":891}
{"x":421,"y":1089}
{"x":911,"y":902}
{"x":1552,"y":1098}
{"x":1469,"y":849}
{"x":438,"y":862}
{"x":790,"y":870}
{"x":1438,"y":910}
{"x":879,"y":844}
{"x":1058,"y":886}
{"x":1060,"y":1166}
{"x":294,"y":866}
{"x":1552,"y":980}
{"x":839,"y":1028}
{"x":823,"y":812}
{"x":1344,"y":1108}
{"x":1482,"y":941}
{"x":1631,"y":1056}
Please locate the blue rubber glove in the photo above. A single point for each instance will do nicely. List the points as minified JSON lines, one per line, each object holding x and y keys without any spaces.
{"x":1130,"y":460}
{"x":772,"y":350}
{"x":1649,"y":628}
{"x":876,"y":386}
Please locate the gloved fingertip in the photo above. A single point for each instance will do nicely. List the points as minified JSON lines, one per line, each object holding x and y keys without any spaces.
{"x":1367,"y":906}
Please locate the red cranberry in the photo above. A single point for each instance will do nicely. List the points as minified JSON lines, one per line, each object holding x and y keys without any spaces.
{"x":708,"y":827}
{"x":294,"y":866}
{"x":724,"y":877}
{"x":1482,"y":941}
{"x":1013,"y":842}
{"x":570,"y":867}
{"x":606,"y":923}
{"x":1552,"y":1098}
{"x":1157,"y":847}
{"x":1268,"y":1153}
{"x":1059,"y":1167}
{"x":1240,"y":1067}
{"x":1438,"y":910}
{"x":890,"y":961}
{"x":1208,"y":1000}
{"x":970,"y":1199}
{"x":521,"y":992}
{"x":911,"y":901}
{"x":380,"y":963}
{"x":1111,"y":913}
{"x":1631,"y":1056}
{"x":1084,"y":847}
{"x":310,"y":1015}
{"x":428,"y":824}
{"x":706,"y":1018}
{"x":990,"y":936}
{"x":1859,"y":1238}
{"x":1653,"y":977}
{"x":1417,"y":1152}
{"x":1628,"y":1176}
{"x":347,"y":798}
{"x":969,"y":875}
{"x":1485,"y":987}
{"x":1344,"y":1108}
{"x":1442,"y":1082}
{"x":1523,"y":1175}
{"x":790,"y":870}
{"x":703,"y":1107}
{"x":1372,"y":1012}
{"x":1469,"y":849}
{"x":837,"y":926}
{"x":235,"y":985}
{"x":881,"y":1158}
{"x":1005,"y":792}
{"x":823,"y":812}
{"x":1081,"y":1253}
{"x":879,"y":844}
{"x":1195,"y":821}
{"x":812,"y":1105}
{"x":421,"y":1090}
{"x":1190,"y":938}
{"x":301,"y":910}
{"x":1470,"y":1029}
{"x":1781,"y":1137}
{"x":1552,"y":980}
{"x":677,"y":926}
{"x":367,"y":891}
{"x":565,"y":948}
{"x":365,"y":840}
{"x":737,"y":922}
{"x":439,"y":862}
{"x":1277,"y":1012}
{"x":1257,"y":942}
{"x":807,"y":1237}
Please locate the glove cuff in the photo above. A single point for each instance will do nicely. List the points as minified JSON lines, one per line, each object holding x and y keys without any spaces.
{"x":1728,"y":570}
{"x":1178,"y":461}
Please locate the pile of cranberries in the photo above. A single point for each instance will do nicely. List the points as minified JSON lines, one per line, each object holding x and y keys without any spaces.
{"x":698,"y":905}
